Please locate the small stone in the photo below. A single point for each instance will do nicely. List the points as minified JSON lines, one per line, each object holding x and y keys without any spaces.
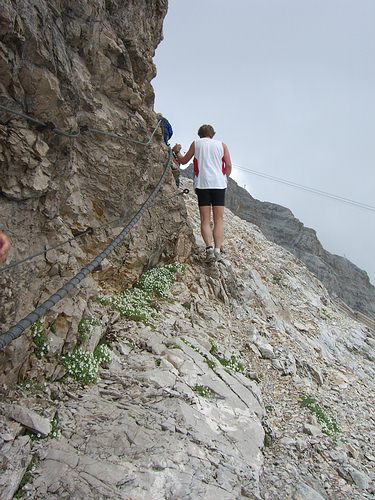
{"x":7,"y":437}
{"x":360,"y":478}
{"x":287,"y":441}
{"x":265,"y":349}
{"x":28,"y":418}
{"x":300,"y":326}
{"x":312,"y":430}
{"x":305,"y":492}
{"x":352,"y":452}
{"x":338,"y":456}
{"x":41,"y":147}
{"x":301,"y":445}
{"x":353,"y":475}
{"x":316,"y":373}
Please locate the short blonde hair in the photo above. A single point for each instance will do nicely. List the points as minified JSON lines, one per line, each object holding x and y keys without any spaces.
{"x":206,"y":131}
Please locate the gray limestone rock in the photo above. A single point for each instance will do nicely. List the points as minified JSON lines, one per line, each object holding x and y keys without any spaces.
{"x":285,"y":362}
{"x":66,"y":70}
{"x":265,"y":349}
{"x":350,"y":473}
{"x":312,"y":430}
{"x":27,"y":417}
{"x":170,"y":417}
{"x":15,"y":457}
{"x":305,"y":492}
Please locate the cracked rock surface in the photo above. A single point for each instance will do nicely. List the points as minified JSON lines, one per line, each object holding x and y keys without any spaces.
{"x":169,"y":419}
{"x":77,"y":64}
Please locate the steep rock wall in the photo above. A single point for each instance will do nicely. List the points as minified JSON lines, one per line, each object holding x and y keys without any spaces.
{"x":75,"y":64}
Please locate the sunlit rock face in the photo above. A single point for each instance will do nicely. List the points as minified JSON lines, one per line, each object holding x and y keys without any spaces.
{"x":74,"y":64}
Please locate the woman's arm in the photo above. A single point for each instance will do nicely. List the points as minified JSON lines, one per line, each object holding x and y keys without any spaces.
{"x":183,"y":159}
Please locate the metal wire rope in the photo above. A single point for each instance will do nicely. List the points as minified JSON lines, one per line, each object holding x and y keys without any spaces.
{"x":43,"y":251}
{"x":48,"y":125}
{"x":84,"y":128}
{"x":184,"y":191}
{"x":309,"y":189}
{"x":51,"y":127}
{"x":120,"y":137}
{"x":89,"y":230}
{"x":17,"y":330}
{"x":47,"y":249}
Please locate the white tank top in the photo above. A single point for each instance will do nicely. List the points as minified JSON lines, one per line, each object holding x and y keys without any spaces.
{"x":209,"y":166}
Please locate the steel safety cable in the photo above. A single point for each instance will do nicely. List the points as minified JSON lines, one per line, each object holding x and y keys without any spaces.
{"x":83,"y":128}
{"x":16,"y":331}
{"x":58,"y":245}
{"x":49,"y":125}
{"x":182,"y":192}
{"x":46,"y":250}
{"x":89,"y":230}
{"x":120,"y":137}
{"x":309,"y":189}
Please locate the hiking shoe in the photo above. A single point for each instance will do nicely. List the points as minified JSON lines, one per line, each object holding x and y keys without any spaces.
{"x":210,"y":256}
{"x":218,"y":255}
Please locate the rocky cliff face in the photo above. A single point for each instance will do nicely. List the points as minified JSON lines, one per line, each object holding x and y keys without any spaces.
{"x":341,"y":277}
{"x":76,"y":64}
{"x":248,"y":383}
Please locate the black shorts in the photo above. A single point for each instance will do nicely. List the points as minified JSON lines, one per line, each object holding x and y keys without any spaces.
{"x":214,"y":197}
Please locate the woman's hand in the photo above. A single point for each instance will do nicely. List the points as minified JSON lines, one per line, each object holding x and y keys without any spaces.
{"x":4,"y":247}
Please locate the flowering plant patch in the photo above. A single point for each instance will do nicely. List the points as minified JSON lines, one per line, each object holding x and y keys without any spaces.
{"x":137,"y":303}
{"x":203,"y":390}
{"x":158,"y":281}
{"x":328,"y":422}
{"x":132,"y":303}
{"x":233,"y":364}
{"x":40,"y":339}
{"x":103,"y":355}
{"x":82,"y":366}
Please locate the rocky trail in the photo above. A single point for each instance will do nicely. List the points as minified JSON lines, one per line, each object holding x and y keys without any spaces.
{"x":249,"y":383}
{"x":246,"y":381}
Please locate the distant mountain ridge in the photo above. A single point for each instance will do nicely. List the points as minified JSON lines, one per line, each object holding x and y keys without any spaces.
{"x":341,"y":277}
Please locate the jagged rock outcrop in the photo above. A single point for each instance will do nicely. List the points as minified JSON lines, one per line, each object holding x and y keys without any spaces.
{"x":76,"y":64}
{"x":211,"y":400}
{"x":341,"y":277}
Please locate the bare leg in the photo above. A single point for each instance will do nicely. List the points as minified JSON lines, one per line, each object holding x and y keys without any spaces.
{"x":206,"y":231}
{"x":218,"y":213}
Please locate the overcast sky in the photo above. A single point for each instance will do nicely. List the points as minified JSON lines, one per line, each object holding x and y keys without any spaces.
{"x":289,"y":86}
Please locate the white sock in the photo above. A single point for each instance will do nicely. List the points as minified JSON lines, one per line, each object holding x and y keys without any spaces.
{"x":217,"y":250}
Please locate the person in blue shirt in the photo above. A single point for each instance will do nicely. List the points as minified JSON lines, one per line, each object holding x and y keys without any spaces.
{"x":166,"y":128}
{"x":167,"y":134}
